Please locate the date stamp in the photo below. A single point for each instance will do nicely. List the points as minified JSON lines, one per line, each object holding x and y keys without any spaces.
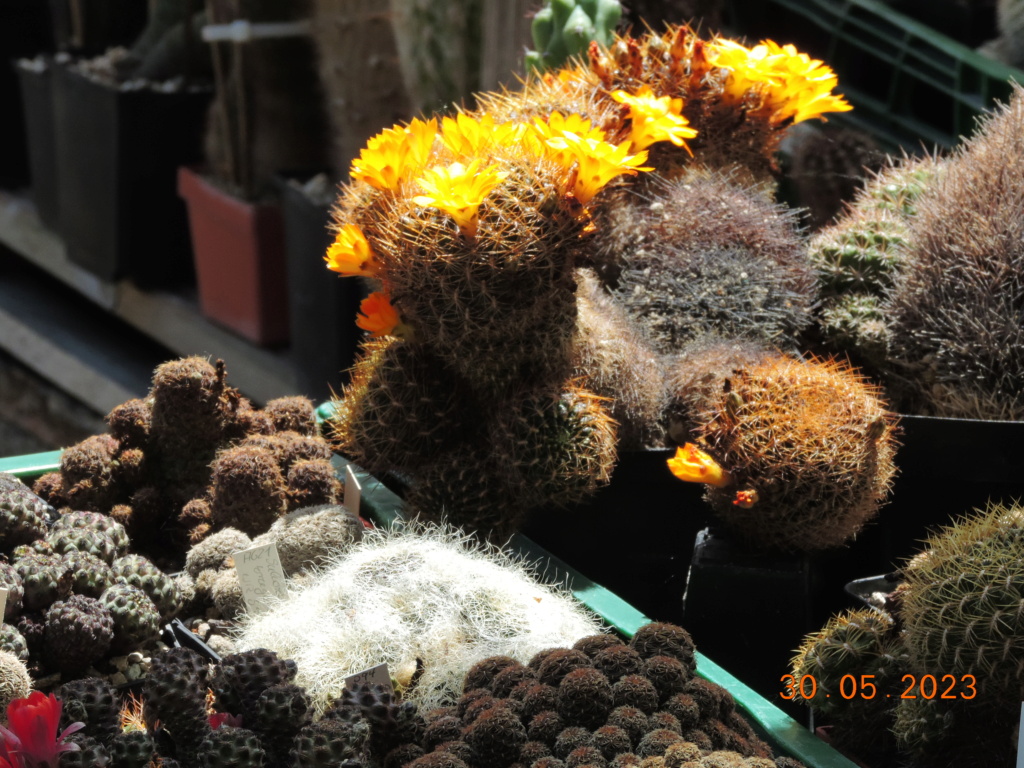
{"x":864,"y":687}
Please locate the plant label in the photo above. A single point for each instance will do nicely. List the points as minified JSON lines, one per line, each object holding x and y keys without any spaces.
{"x":3,"y":602}
{"x":261,"y":576}
{"x":353,"y":492}
{"x":377,"y":675}
{"x":1020,"y":739}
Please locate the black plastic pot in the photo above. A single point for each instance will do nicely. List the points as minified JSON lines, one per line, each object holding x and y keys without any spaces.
{"x":118,"y":153}
{"x":748,"y":610}
{"x":947,"y":469}
{"x":635,"y":536}
{"x":322,"y":306}
{"x":24,"y":31}
{"x":37,"y":102}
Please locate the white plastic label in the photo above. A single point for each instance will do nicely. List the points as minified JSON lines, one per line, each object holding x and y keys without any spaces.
{"x":261,"y":576}
{"x":1020,"y":739}
{"x":353,"y":492}
{"x":377,"y":675}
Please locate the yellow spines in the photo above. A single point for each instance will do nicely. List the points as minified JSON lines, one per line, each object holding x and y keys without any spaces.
{"x":808,"y":445}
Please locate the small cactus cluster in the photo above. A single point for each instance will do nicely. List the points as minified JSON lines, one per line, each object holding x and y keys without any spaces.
{"x":306,"y":539}
{"x":954,"y":617}
{"x":476,"y":382}
{"x":112,"y":734}
{"x":796,"y":454}
{"x":564,"y":29}
{"x":445,"y":602}
{"x":600,"y":702}
{"x":194,"y":456}
{"x":75,"y":593}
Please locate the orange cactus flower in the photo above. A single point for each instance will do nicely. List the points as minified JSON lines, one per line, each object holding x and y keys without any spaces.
{"x":394,"y":154}
{"x":795,"y":86}
{"x":597,"y":162}
{"x":695,"y":466}
{"x":459,"y":190}
{"x":351,"y":254}
{"x":655,"y":119}
{"x":377,"y":316}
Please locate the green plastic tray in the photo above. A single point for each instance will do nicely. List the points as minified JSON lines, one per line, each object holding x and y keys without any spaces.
{"x":384,"y":507}
{"x":908,"y":83}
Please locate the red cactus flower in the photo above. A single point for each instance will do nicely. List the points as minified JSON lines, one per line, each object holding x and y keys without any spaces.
{"x":30,"y":739}
{"x":217,"y":719}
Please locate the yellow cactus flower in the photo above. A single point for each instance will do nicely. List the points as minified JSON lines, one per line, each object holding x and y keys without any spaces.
{"x":470,"y":137}
{"x":458,"y":190}
{"x":596,"y":163}
{"x":351,"y":254}
{"x":655,"y":119}
{"x":795,"y":86}
{"x":377,"y":316}
{"x":695,"y":466}
{"x":394,"y":154}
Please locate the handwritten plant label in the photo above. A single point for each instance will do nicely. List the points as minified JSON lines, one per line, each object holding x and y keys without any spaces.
{"x":353,"y":492}
{"x":261,"y":576}
{"x":377,"y":675}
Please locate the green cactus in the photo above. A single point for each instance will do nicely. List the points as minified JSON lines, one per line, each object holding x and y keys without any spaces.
{"x":963,"y":608}
{"x":854,"y":650}
{"x":858,"y":257}
{"x":564,"y":29}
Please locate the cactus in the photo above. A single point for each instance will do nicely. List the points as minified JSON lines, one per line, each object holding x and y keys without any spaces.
{"x":827,"y":166}
{"x":852,"y":645}
{"x":479,"y":271}
{"x":443,"y":601}
{"x":706,"y":253}
{"x":79,"y":632}
{"x":797,"y":455}
{"x":976,"y":562}
{"x":439,"y":47}
{"x":856,"y":260}
{"x":957,"y":306}
{"x":398,"y":409}
{"x":613,"y":359}
{"x":564,"y":29}
{"x":15,"y":682}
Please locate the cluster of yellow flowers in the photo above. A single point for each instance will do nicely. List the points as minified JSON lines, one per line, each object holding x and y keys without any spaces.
{"x":453,"y":166}
{"x":792,"y":84}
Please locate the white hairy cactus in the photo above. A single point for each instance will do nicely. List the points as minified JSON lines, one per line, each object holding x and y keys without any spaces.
{"x":413,"y":596}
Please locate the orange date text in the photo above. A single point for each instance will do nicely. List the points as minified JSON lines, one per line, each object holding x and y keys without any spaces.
{"x":864,"y":687}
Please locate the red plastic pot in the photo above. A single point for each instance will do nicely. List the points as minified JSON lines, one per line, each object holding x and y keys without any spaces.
{"x":240,"y":260}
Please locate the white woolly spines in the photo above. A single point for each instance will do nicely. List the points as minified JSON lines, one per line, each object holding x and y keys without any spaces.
{"x":407,"y":595}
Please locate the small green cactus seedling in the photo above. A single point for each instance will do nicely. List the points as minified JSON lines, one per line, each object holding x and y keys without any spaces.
{"x":563,"y":29}
{"x":854,"y":648}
